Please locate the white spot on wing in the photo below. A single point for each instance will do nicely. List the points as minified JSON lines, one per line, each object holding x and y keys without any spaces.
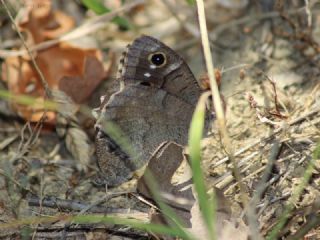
{"x":147,"y":75}
{"x":153,"y":66}
{"x":102,"y":98}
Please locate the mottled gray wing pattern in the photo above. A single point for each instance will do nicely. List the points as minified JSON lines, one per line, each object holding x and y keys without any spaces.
{"x":147,"y":117}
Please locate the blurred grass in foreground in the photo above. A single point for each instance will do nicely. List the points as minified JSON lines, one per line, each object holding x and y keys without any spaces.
{"x":196,"y":131}
{"x":297,"y":191}
{"x":99,"y":8}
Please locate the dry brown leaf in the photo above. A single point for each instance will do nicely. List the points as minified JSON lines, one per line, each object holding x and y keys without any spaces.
{"x":79,"y":88}
{"x":204,"y":80}
{"x":65,"y":105}
{"x":73,"y":69}
{"x":42,"y":23}
{"x":77,"y":143}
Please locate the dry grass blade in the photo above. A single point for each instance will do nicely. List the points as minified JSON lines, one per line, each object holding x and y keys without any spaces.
{"x":303,"y":117}
{"x":217,"y":100}
{"x":263,"y":184}
{"x":295,"y":195}
{"x":8,"y":141}
{"x":312,"y":223}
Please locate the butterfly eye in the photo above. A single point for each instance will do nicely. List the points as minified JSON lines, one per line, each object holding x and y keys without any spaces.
{"x":158,"y":59}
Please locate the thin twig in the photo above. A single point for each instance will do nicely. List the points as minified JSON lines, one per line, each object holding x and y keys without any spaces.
{"x":297,"y":191}
{"x":312,"y":223}
{"x":6,"y":175}
{"x":33,"y":61}
{"x":247,"y":19}
{"x":88,"y":27}
{"x":251,"y":211}
{"x":190,"y":29}
{"x":81,"y":231}
{"x":72,"y":205}
{"x":266,"y":139}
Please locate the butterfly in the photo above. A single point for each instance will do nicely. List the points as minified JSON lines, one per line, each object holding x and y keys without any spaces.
{"x":155,"y":104}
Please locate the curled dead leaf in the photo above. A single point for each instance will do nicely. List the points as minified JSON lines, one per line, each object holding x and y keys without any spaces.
{"x":74,"y":69}
{"x":41,"y":22}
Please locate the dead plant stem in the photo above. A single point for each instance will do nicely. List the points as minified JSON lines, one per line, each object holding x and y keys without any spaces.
{"x":217,"y":100}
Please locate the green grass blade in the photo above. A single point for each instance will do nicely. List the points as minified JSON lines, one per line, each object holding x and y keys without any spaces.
{"x":195,"y":135}
{"x":98,"y":7}
{"x":27,"y":100}
{"x":191,"y":2}
{"x":295,"y":196}
{"x":94,"y":219}
{"x":174,"y":220}
{"x":149,"y":227}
